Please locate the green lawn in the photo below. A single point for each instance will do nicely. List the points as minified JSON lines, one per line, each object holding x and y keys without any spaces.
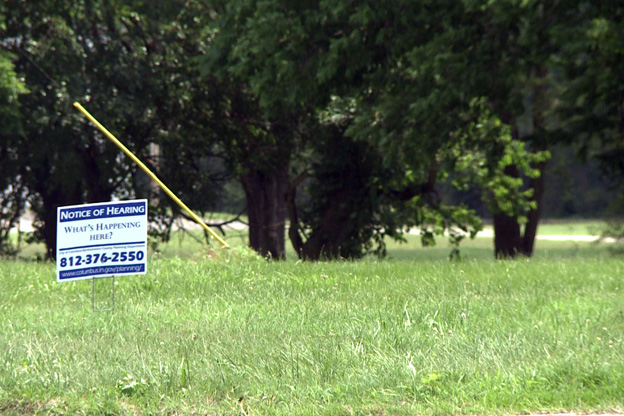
{"x":228,"y":333}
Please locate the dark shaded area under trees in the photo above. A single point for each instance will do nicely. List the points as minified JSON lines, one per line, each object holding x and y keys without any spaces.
{"x":352,"y":122}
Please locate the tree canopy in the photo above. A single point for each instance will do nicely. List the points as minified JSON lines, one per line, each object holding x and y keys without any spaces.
{"x":340,"y":118}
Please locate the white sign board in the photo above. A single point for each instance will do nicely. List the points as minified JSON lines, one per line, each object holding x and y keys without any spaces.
{"x":98,"y":240}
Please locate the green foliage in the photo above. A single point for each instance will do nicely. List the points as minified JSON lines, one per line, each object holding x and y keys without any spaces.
{"x":396,"y":78}
{"x":129,"y":386}
{"x":257,"y":89}
{"x":56,"y":52}
{"x":435,"y":97}
{"x":346,"y":201}
{"x":591,"y":104}
{"x":485,"y":167}
{"x":131,"y":67}
{"x":11,"y":182}
{"x":11,"y":87}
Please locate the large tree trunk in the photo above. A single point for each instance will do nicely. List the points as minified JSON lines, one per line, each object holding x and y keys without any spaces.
{"x":530,"y":230}
{"x":332,"y":231}
{"x":291,"y":201}
{"x":507,"y":238}
{"x":266,"y":208}
{"x":507,"y":241}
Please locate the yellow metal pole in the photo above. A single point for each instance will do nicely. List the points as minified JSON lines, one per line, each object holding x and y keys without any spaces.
{"x":150,"y":174}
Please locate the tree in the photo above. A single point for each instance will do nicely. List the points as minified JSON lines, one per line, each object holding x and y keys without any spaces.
{"x":527,"y":105}
{"x":267,"y":119}
{"x":349,"y":200}
{"x":592,"y":104}
{"x":313,"y":106}
{"x":12,"y":193}
{"x":406,"y":75}
{"x":420,"y":72}
{"x":113,"y":57}
{"x":51,"y":44}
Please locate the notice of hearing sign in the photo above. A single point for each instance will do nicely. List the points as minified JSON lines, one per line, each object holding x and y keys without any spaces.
{"x":99,"y":240}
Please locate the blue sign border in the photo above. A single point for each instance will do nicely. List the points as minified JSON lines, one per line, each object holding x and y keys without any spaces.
{"x":96,"y":212}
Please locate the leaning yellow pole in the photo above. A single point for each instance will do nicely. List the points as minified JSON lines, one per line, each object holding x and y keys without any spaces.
{"x":160,"y":183}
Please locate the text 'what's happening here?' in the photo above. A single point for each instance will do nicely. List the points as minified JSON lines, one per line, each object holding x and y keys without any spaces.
{"x":104,"y":239}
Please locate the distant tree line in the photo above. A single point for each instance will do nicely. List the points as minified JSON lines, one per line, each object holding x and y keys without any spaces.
{"x":351,"y":122}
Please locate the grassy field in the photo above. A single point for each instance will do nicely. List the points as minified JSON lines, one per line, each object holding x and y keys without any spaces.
{"x":232,"y":334}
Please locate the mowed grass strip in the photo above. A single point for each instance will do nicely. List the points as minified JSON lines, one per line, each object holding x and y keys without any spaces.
{"x":239,"y":335}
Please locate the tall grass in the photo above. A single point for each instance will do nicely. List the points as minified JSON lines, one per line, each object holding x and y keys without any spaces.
{"x":239,"y":335}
